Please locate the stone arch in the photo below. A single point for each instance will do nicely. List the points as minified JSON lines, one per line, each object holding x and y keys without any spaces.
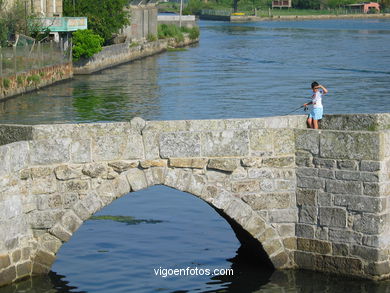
{"x":113,"y":180}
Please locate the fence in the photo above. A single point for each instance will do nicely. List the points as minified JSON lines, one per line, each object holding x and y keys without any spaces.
{"x":14,"y":60}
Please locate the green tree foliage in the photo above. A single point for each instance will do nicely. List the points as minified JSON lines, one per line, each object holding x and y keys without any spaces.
{"x":105,"y":17}
{"x":85,"y":44}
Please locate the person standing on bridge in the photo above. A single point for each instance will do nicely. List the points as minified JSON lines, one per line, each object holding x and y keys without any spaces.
{"x":316,"y":100}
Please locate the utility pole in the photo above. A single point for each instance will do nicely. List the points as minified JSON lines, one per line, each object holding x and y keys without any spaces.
{"x":181,"y":12}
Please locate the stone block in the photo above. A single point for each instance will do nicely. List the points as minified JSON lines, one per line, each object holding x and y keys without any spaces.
{"x":307,"y":140}
{"x":369,"y":223}
{"x":80,"y":151}
{"x":123,"y":165}
{"x":180,"y":144}
{"x":19,"y":155}
{"x":255,"y":162}
{"x":307,"y":172}
{"x":70,"y":221}
{"x":213,"y":125}
{"x":306,"y":197}
{"x":4,"y":261}
{"x":51,"y":151}
{"x":223,"y":164}
{"x":344,"y":187}
{"x":255,"y":225}
{"x":254,"y":173}
{"x":347,"y":175}
{"x":23,"y":269}
{"x":44,"y":258}
{"x":350,"y":145}
{"x":239,"y":211}
{"x":290,"y":243}
{"x":339,"y":265}
{"x":332,"y":217}
{"x":136,"y":179}
{"x":372,"y":189}
{"x":153,"y":163}
{"x":49,"y":201}
{"x":327,"y":174}
{"x":308,"y":214}
{"x":360,"y":203}
{"x":229,"y":143}
{"x":16,"y":256}
{"x":345,"y":236}
{"x":310,"y":182}
{"x":81,"y":211}
{"x":151,"y":144}
{"x":378,"y":268}
{"x":194,"y":163}
{"x":348,"y":165}
{"x":246,"y":186}
{"x":367,"y":253}
{"x":279,"y":162}
{"x":303,"y":159}
{"x":61,"y":233}
{"x":74,"y":185}
{"x":7,"y":275}
{"x":66,"y":172}
{"x":312,"y":245}
{"x":91,"y":202}
{"x":137,"y":123}
{"x":262,"y":140}
{"x":304,"y":231}
{"x":284,"y":142}
{"x":304,"y":260}
{"x":41,"y":172}
{"x":340,"y":249}
{"x":239,"y":174}
{"x":324,"y":163}
{"x":369,"y":176}
{"x":281,"y":260}
{"x":44,"y":219}
{"x":196,"y":184}
{"x":283,"y":216}
{"x":111,"y":148}
{"x":370,"y":166}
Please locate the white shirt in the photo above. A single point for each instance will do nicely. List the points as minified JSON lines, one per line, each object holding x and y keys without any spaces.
{"x":316,"y":98}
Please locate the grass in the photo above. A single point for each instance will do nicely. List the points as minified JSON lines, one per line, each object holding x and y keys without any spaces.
{"x":176,"y":49}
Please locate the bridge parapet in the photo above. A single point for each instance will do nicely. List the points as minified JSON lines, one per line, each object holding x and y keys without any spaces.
{"x":312,"y":199}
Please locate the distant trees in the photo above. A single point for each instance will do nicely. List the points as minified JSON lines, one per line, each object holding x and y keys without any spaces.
{"x":105,"y":17}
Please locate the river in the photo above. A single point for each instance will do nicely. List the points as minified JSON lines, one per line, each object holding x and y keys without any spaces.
{"x":237,"y":70}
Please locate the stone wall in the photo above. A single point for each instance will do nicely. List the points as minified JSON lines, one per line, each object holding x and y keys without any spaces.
{"x":313,"y":199}
{"x":121,"y":53}
{"x":34,"y":79}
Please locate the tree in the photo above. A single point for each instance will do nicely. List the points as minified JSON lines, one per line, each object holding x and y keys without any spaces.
{"x":105,"y":17}
{"x":86,"y":44}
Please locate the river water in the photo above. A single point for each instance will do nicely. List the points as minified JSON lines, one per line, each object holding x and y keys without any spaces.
{"x":237,"y":70}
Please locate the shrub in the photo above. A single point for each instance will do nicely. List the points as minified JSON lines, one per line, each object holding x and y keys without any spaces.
{"x":151,"y":38}
{"x":6,"y":83}
{"x":20,"y":79}
{"x":86,"y":44}
{"x":165,"y":31}
{"x":193,"y":32}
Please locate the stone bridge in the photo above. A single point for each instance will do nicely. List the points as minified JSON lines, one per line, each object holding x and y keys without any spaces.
{"x":303,"y":198}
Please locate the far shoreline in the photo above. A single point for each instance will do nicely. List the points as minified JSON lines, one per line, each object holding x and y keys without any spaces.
{"x":252,"y":18}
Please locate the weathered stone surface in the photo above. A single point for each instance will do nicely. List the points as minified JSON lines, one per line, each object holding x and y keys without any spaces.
{"x":4,"y":261}
{"x":23,"y":269}
{"x":369,"y":223}
{"x":370,"y":166}
{"x":153,"y":163}
{"x":261,"y":141}
{"x":347,"y":175}
{"x":136,"y":179}
{"x":45,"y":152}
{"x":324,"y":163}
{"x":304,"y":231}
{"x":137,"y":123}
{"x":306,"y":197}
{"x":310,"y":182}
{"x":111,"y":148}
{"x":196,"y":163}
{"x":332,"y":217}
{"x":303,"y":159}
{"x":279,"y":162}
{"x":360,"y":203}
{"x":180,"y":145}
{"x":312,"y":245}
{"x":44,"y":258}
{"x":268,"y":201}
{"x":94,"y":170}
{"x":66,"y":172}
{"x":345,"y":236}
{"x":350,"y":145}
{"x":307,"y":140}
{"x":227,"y":143}
{"x":260,"y":173}
{"x":7,"y":276}
{"x":344,"y":187}
{"x":246,"y":186}
{"x":340,"y":249}
{"x":308,"y":215}
{"x":224,"y":164}
{"x":252,"y":162}
{"x":283,"y":216}
{"x":121,"y":166}
{"x":347,"y":165}
{"x":80,"y":151}
{"x":19,"y":155}
{"x":61,"y":233}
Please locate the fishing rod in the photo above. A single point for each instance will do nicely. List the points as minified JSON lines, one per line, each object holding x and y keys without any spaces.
{"x":300,"y":107}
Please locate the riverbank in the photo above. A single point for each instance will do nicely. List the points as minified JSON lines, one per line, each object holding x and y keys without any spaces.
{"x":122,"y":53}
{"x":252,"y":18}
